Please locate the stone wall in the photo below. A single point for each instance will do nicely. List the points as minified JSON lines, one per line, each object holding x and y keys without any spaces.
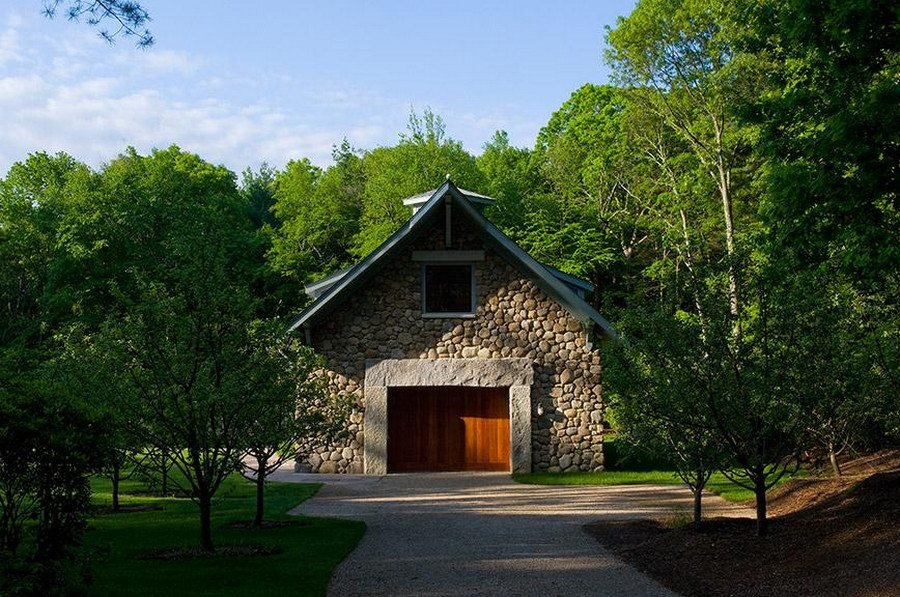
{"x":514,"y":318}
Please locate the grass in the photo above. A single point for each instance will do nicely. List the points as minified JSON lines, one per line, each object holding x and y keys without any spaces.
{"x":717,"y":484}
{"x":628,"y":465}
{"x":309,"y":553}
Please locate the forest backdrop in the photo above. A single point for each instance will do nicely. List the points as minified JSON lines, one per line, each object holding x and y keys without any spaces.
{"x":731,"y":193}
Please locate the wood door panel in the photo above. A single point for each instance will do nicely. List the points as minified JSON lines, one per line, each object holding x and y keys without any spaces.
{"x":448,"y":429}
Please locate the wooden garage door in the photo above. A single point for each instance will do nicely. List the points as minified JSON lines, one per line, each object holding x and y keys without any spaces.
{"x":448,"y":429}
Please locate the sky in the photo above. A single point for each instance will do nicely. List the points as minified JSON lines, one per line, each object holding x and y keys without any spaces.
{"x":242,"y":83}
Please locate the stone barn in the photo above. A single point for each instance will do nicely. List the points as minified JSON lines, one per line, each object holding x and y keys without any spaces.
{"x":463,"y":353}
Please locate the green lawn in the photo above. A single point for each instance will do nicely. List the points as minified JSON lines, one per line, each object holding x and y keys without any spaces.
{"x":718,"y":484}
{"x":311,"y":550}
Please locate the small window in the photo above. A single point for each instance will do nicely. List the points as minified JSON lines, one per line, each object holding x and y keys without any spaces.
{"x":447,"y":288}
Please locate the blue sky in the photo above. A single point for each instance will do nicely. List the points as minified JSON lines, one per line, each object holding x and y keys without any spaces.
{"x":245,"y":82}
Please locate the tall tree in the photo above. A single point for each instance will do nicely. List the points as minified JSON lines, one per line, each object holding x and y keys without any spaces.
{"x":510,"y":179}
{"x":422,"y":160}
{"x":50,"y":439}
{"x":182,"y":312}
{"x":318,"y":215}
{"x":829,"y":125}
{"x":258,"y":191}
{"x":682,"y":50}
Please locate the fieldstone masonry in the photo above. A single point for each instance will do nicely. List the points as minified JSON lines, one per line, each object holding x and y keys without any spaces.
{"x":514,"y":319}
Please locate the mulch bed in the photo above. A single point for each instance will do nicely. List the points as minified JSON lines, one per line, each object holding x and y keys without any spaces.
{"x":267,"y":524}
{"x":826,"y":537}
{"x":193,"y":553}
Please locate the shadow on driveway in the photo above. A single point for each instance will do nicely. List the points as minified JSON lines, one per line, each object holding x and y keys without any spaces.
{"x":483,"y":534}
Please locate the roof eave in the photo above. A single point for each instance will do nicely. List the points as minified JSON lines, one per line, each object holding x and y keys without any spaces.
{"x":586,"y":314}
{"x":354,"y":272}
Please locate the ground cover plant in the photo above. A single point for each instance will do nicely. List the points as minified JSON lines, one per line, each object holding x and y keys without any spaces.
{"x":149,"y":552}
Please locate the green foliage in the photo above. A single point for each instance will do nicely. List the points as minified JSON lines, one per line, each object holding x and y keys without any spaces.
{"x":568,"y":225}
{"x":257,"y":189}
{"x":293,"y":413}
{"x":182,"y":331}
{"x":829,"y":122}
{"x":510,"y":179}
{"x":318,"y":215}
{"x":422,"y":160}
{"x":659,"y":394}
{"x":50,"y":440}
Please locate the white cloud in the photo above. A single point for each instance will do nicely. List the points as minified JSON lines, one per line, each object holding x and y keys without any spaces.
{"x":10,"y":41}
{"x":97,"y":118}
{"x":65,"y":90}
{"x":156,"y":61}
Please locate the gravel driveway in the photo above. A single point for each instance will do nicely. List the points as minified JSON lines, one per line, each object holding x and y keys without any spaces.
{"x":483,"y":534}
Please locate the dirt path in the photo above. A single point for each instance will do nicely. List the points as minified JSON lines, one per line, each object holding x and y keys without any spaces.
{"x":483,"y":534}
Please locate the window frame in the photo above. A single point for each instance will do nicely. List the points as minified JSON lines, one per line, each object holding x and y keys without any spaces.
{"x":448,"y":314}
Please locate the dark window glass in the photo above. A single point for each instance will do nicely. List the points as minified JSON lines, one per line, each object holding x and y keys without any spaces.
{"x":448,"y":288}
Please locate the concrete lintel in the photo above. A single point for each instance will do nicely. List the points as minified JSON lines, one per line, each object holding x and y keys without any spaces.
{"x":490,"y":373}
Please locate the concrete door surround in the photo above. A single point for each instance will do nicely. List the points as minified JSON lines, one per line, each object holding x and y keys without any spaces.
{"x":516,"y":373}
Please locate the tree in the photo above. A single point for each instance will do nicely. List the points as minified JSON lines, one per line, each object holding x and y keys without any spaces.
{"x":828,"y":125}
{"x":96,"y":379}
{"x":50,"y":440}
{"x":422,"y":160}
{"x":298,"y":414}
{"x":182,"y":312}
{"x":49,"y":443}
{"x":258,"y":192}
{"x":318,"y":215}
{"x":128,"y":17}
{"x":599,"y":195}
{"x":660,"y":396}
{"x":682,"y":50}
{"x":510,"y":179}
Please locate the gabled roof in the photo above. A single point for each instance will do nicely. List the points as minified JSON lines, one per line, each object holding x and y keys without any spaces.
{"x":558,"y":285}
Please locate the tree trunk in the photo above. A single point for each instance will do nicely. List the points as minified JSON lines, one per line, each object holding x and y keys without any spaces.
{"x":698,"y":498}
{"x":698,"y":494}
{"x":206,"y":521}
{"x":728,"y":213}
{"x":115,"y":486}
{"x":164,"y":474}
{"x":260,"y":493}
{"x":762,"y":523}
{"x":832,"y":457}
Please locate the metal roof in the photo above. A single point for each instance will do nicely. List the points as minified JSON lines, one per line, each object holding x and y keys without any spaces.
{"x":416,"y":201}
{"x":554,"y":283}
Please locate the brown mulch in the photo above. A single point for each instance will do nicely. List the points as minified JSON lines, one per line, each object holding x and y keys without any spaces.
{"x":266,"y":524}
{"x":826,"y":537}
{"x":193,"y":553}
